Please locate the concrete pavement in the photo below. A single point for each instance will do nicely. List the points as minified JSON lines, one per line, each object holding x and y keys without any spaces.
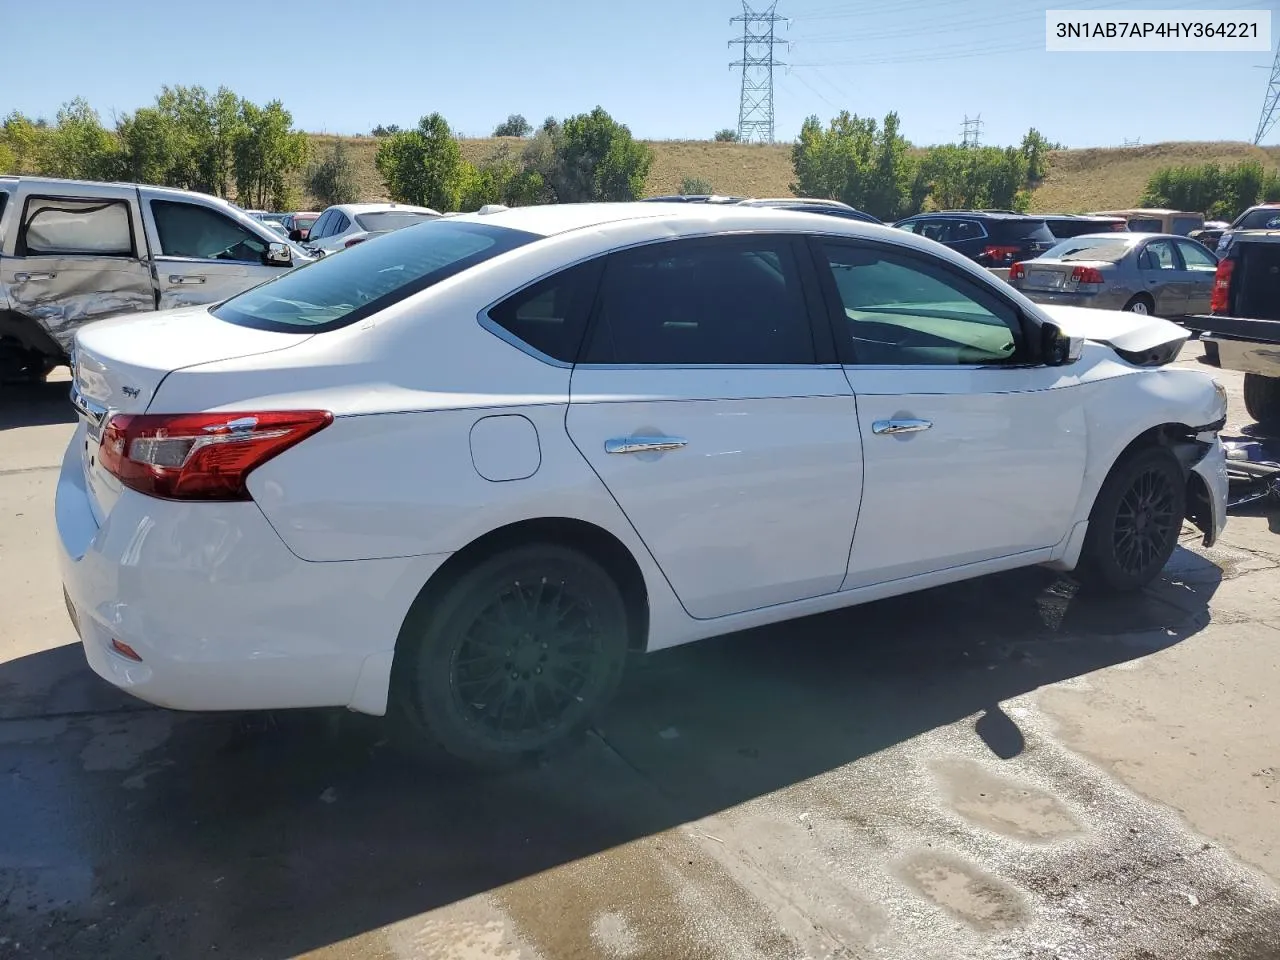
{"x":997,"y":769}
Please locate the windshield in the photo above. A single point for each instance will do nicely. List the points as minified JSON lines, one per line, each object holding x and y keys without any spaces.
{"x":368,"y":277}
{"x":391,"y":219}
{"x":1264,"y":218}
{"x":1108,"y":249}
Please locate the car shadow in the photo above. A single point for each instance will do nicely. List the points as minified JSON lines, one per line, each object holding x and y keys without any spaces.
{"x":294,"y":830}
{"x":35,"y":404}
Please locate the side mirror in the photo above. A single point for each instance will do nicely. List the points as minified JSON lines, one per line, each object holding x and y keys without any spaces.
{"x":1056,"y":348}
{"x":296,"y":235}
{"x":278,"y":255}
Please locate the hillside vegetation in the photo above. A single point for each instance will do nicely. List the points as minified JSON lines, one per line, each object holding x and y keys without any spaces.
{"x":1077,"y":180}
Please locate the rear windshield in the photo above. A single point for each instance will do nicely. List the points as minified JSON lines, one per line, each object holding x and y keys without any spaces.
{"x":1020,"y":230}
{"x":1264,"y":218}
{"x":391,"y":219}
{"x":344,"y":288}
{"x":1145,"y":225}
{"x":1108,"y":249}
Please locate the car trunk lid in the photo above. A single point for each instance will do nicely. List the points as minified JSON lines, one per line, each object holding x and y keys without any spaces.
{"x":118,"y":365}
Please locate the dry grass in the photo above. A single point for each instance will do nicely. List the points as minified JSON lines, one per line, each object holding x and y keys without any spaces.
{"x":1078,"y":180}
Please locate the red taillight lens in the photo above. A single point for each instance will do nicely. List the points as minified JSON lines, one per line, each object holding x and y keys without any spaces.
{"x":1000,"y":254}
{"x":1220,"y":302}
{"x":1017,"y":271}
{"x":200,"y":456}
{"x":1087,"y":275}
{"x":352,"y":242}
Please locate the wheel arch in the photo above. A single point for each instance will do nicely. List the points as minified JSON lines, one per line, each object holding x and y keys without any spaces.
{"x":588,"y":538}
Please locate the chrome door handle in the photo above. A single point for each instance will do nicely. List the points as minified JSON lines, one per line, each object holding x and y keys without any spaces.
{"x":894,"y":427}
{"x":24,"y":277}
{"x":176,"y":278}
{"x":643,"y":444}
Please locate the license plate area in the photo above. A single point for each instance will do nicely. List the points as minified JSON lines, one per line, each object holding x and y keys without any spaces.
{"x":1044,"y":280}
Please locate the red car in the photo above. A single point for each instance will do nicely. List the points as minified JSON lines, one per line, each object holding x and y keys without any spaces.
{"x":300,"y":224}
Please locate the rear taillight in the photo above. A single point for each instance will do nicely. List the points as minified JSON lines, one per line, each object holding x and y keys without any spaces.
{"x":200,"y":456}
{"x":1220,"y":302}
{"x":1087,"y":275}
{"x":1017,"y":271}
{"x":998,"y":254}
{"x":353,"y":241}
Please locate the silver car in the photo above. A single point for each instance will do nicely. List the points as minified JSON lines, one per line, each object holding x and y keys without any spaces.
{"x":1153,"y":273}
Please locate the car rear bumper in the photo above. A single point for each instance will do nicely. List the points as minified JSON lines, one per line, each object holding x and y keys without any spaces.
{"x":1102,"y":300}
{"x":221,"y":614}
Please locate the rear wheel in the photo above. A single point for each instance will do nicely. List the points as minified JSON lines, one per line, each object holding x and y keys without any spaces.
{"x":516,"y":657}
{"x":1141,"y":304}
{"x":1262,"y":399}
{"x":1135,"y":522}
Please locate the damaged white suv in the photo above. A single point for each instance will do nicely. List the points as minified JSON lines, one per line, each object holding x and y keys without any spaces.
{"x":461,"y":470}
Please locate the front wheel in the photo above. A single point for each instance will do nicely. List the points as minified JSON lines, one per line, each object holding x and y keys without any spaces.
{"x":1135,"y":521}
{"x":517,"y":656}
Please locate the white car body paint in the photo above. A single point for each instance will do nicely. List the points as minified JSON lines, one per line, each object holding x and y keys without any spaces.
{"x":784,"y":501}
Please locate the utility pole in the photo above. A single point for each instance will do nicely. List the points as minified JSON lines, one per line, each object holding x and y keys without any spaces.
{"x":971,"y":132}
{"x":1268,"y":118}
{"x":755,"y":103}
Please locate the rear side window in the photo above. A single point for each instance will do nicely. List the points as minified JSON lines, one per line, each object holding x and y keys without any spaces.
{"x":1184,"y":225}
{"x":966,"y":230}
{"x":551,"y":316}
{"x":99,"y":228}
{"x":722,"y":301}
{"x":369,"y":277}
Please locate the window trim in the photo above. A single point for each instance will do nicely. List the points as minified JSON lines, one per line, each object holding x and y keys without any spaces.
{"x":20,"y":241}
{"x":181,"y":258}
{"x":811,"y":300}
{"x":1029,"y":348}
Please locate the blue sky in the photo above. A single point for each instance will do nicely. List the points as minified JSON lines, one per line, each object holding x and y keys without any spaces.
{"x":661,"y":66}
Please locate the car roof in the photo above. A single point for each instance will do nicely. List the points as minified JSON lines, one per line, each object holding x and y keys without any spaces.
{"x":551,"y":219}
{"x":355,"y":208}
{"x":972,"y":214}
{"x":1129,"y":236}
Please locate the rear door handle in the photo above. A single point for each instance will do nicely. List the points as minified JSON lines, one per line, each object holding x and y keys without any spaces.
{"x":24,"y":277}
{"x":176,"y":278}
{"x":643,"y":444}
{"x":893,"y":427}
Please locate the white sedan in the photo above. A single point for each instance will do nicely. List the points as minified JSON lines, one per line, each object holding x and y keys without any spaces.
{"x":348,"y":224}
{"x":461,"y":472}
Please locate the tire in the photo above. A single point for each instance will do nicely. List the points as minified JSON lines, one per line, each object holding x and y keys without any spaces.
{"x":1135,"y":521}
{"x":19,"y":364}
{"x":1262,"y":399}
{"x":1142,"y":304}
{"x":540,"y":630}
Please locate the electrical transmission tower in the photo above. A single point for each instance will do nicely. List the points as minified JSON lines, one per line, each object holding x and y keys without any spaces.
{"x":971,"y":132}
{"x":1268,"y":118}
{"x":755,"y":105}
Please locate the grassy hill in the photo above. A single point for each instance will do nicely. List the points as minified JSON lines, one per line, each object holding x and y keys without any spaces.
{"x":1077,"y":181}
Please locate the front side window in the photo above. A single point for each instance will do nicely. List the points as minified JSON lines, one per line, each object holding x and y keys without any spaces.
{"x":904,"y":309}
{"x":336,"y":291}
{"x":1197,"y":258}
{"x":722,"y":301}
{"x":911,"y":226}
{"x":73,"y":226}
{"x":201,"y":233}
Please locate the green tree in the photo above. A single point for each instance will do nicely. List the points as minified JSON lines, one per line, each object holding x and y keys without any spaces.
{"x":514,"y":126}
{"x":27,"y":142}
{"x":332,"y":179}
{"x":153,"y":147}
{"x":423,"y":166}
{"x":695,"y":187}
{"x":727,"y":135}
{"x":266,"y":154}
{"x":596,"y":159}
{"x":858,"y":161}
{"x":385,"y":130}
{"x":1036,"y":148}
{"x":8,"y":159}
{"x":79,"y":147}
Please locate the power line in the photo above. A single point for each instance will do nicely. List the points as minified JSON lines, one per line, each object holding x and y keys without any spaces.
{"x":755,"y":102}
